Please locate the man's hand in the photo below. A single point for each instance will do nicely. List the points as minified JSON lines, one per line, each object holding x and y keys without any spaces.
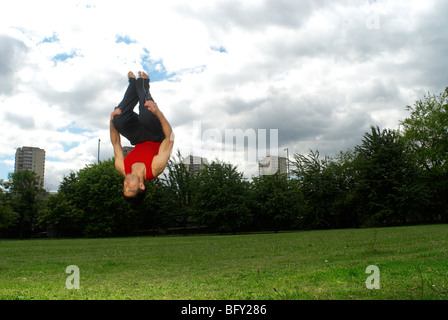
{"x":152,"y":106}
{"x":115,"y":112}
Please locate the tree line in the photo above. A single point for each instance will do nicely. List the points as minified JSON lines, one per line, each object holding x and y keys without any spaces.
{"x":393,"y":177}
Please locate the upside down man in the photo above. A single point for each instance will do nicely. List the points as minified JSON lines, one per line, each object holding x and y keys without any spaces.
{"x":150,"y":133}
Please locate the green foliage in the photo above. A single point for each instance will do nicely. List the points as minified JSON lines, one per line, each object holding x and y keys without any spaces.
{"x":26,"y":196}
{"x":61,"y":215}
{"x":426,"y":131}
{"x":277,"y":202}
{"x":387,"y":181}
{"x":317,"y":189}
{"x":8,"y":216}
{"x":325,"y":185}
{"x":91,"y":203}
{"x":177,"y":192}
{"x":220,"y":200}
{"x":98,"y":193}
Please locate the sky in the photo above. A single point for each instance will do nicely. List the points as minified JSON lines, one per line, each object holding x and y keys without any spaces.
{"x":296,"y":75}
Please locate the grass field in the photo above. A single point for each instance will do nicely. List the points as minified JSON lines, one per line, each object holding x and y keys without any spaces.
{"x":412,"y":263}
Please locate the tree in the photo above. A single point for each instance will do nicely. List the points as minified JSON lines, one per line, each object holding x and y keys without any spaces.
{"x":278,"y":202}
{"x":67,"y":185}
{"x":326,"y":186}
{"x":318,"y":189}
{"x":177,"y":189}
{"x":220,"y":200}
{"x":342,"y":175}
{"x":27,"y":195}
{"x":387,"y":182}
{"x":426,"y":132}
{"x":61,"y":216}
{"x":99,"y":192}
{"x":91,"y":203}
{"x":8,"y":217}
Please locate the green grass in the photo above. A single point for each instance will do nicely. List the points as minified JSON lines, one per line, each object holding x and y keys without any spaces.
{"x":413,"y":264}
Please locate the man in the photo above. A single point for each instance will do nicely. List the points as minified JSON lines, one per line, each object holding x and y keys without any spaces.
{"x":150,"y":133}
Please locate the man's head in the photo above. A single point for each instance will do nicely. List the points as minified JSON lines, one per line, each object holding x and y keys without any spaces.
{"x":134,"y":191}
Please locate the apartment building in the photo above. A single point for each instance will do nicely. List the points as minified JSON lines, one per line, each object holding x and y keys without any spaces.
{"x":194,"y":164}
{"x":31,"y":158}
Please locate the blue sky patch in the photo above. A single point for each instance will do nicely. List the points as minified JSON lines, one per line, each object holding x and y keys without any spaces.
{"x":124,"y":39}
{"x":155,"y":68}
{"x":73,"y":128}
{"x":68,"y":146}
{"x":219,"y":49}
{"x":53,"y":38}
{"x":61,"y":57}
{"x":52,"y":159}
{"x":5,"y":168}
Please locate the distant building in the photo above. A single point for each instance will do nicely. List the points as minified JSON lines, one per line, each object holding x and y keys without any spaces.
{"x":271,"y":165}
{"x":194,"y":164}
{"x":31,"y":158}
{"x":126,"y":150}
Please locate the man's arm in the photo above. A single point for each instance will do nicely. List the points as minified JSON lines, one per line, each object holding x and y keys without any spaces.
{"x":161,"y":160}
{"x":116,"y":142}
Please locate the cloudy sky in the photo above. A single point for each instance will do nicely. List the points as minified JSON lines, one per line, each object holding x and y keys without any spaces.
{"x":317,"y":73}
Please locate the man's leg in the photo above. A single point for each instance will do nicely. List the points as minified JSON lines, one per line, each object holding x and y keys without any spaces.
{"x":130,"y":98}
{"x":142,"y":87}
{"x":151,"y":129}
{"x":127,"y":123}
